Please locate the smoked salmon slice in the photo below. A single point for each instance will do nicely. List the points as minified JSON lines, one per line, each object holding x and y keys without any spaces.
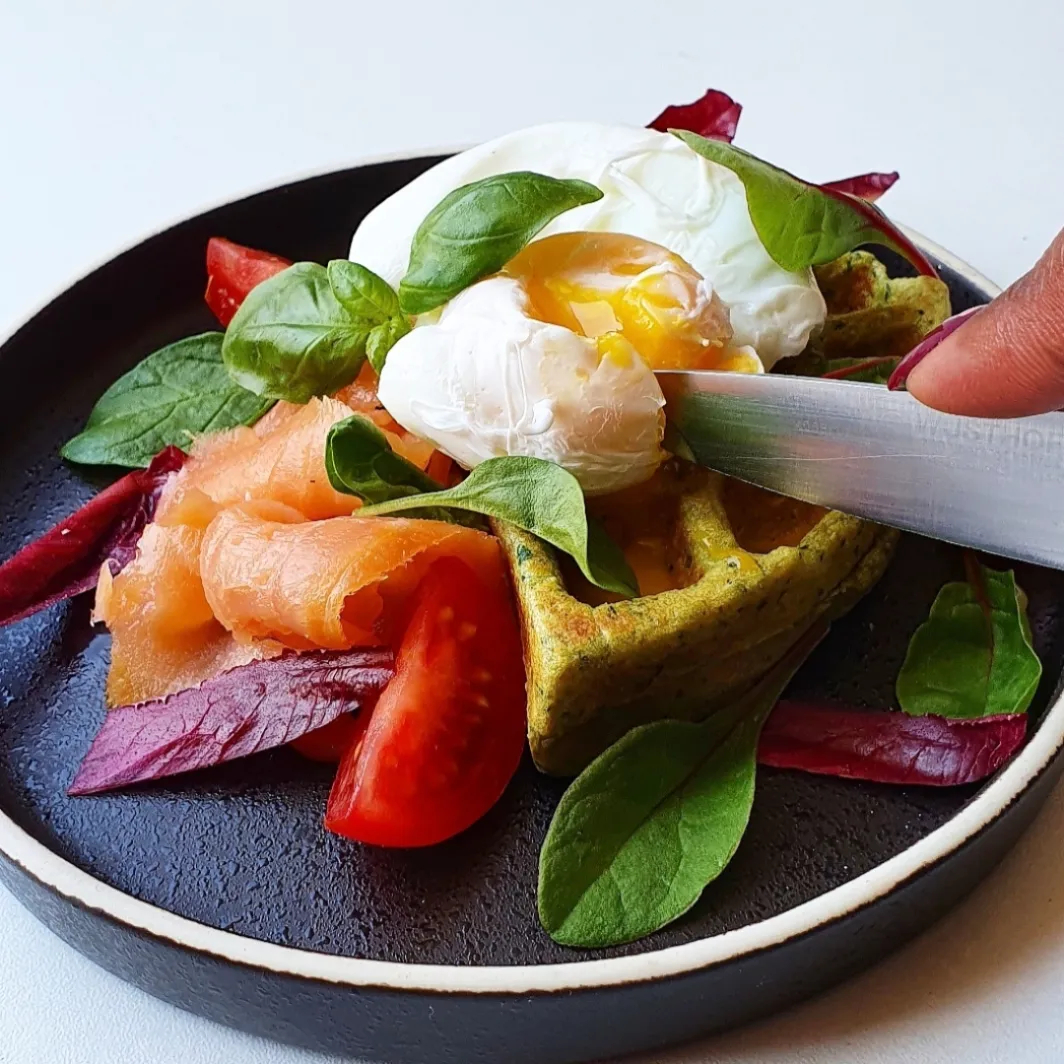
{"x":334,"y":584}
{"x":283,"y":461}
{"x":282,"y":458}
{"x":252,"y":551}
{"x":259,"y":578}
{"x":164,"y":636}
{"x":361,"y":396}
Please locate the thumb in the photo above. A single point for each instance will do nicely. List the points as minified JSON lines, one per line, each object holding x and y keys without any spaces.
{"x":1007,"y":360}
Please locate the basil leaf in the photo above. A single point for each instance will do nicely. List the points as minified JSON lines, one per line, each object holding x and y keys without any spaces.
{"x":295,"y":337}
{"x":538,"y":496}
{"x":174,"y":394}
{"x":476,"y":229}
{"x":362,"y":293}
{"x":382,"y":339}
{"x":652,"y":821}
{"x":361,"y":462}
{"x":973,"y":656}
{"x":371,"y":299}
{"x":801,"y":224}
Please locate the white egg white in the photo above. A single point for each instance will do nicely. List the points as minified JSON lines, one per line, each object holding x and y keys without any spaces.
{"x":654,"y":187}
{"x":487,"y":380}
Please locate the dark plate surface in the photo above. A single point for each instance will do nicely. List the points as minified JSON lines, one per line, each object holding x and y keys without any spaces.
{"x":241,"y":848}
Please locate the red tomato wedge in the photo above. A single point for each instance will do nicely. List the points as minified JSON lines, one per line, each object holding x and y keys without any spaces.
{"x":232,"y":271}
{"x":335,"y":739}
{"x":448,"y":732}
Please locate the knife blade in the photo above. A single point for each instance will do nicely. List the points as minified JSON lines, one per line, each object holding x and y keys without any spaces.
{"x":995,"y":485}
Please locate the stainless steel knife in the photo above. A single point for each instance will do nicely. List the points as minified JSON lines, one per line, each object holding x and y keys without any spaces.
{"x":993,"y":485}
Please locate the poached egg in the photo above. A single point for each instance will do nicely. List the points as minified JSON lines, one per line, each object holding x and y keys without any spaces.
{"x":554,"y":358}
{"x":490,"y":380}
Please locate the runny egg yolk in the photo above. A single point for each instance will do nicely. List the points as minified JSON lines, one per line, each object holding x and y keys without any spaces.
{"x":620,"y":291}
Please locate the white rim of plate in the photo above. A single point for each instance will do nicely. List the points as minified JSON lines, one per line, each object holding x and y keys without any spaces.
{"x":78,"y":886}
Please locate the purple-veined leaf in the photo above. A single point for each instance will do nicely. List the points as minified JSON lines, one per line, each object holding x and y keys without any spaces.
{"x":888,"y":746}
{"x":66,"y":560}
{"x":240,"y":712}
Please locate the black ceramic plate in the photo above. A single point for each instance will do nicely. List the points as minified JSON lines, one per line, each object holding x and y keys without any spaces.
{"x":223,"y":894}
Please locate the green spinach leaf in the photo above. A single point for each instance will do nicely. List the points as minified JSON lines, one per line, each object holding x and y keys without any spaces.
{"x":173,"y":395}
{"x":973,"y":656}
{"x":538,"y":496}
{"x":295,"y":336}
{"x":652,"y":821}
{"x":542,"y":498}
{"x":361,"y":462}
{"x":476,"y":229}
{"x":801,"y":224}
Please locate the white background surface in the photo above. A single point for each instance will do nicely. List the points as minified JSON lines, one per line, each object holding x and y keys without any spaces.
{"x":118,"y":118}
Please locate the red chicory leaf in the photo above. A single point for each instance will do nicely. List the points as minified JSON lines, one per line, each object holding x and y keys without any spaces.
{"x":66,"y":560}
{"x":887,"y":746}
{"x":237,"y":713}
{"x":926,"y":346}
{"x":714,"y":115}
{"x":868,"y":187}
